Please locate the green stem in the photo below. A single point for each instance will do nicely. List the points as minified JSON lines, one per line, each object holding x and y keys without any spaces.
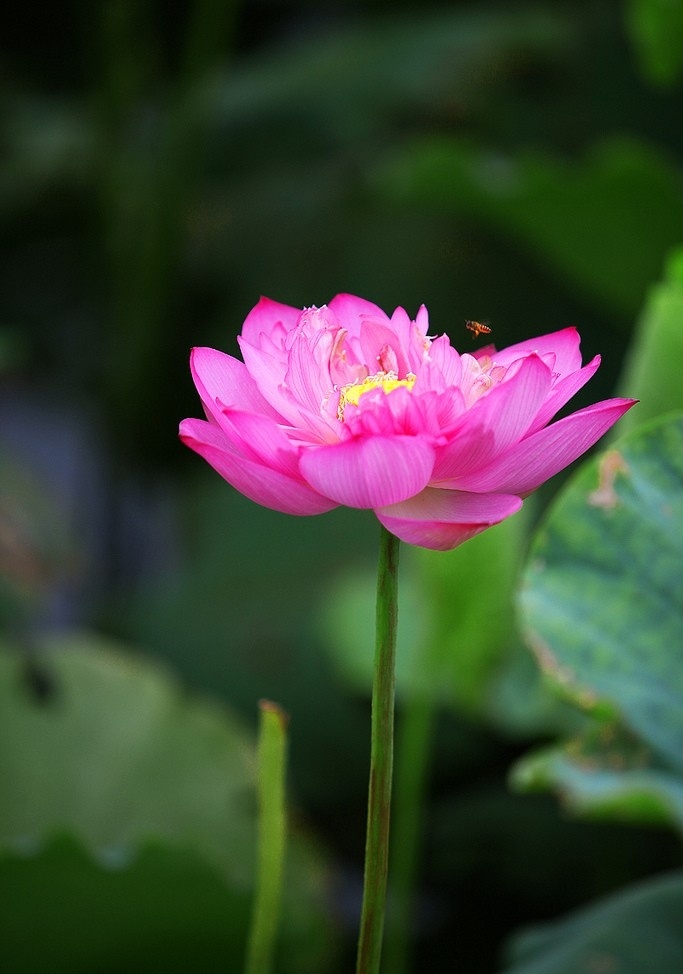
{"x":416,"y":734}
{"x":272,"y":748}
{"x":381,"y":760}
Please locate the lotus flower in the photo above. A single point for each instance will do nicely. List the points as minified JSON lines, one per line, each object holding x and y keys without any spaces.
{"x":344,"y":405}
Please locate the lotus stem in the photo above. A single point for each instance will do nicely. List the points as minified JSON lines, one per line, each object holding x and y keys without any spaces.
{"x":381,"y":760}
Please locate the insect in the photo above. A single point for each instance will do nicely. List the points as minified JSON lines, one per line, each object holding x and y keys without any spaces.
{"x":477,"y":328}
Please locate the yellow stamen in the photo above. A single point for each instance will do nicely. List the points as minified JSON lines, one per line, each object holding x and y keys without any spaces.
{"x":386,"y":381}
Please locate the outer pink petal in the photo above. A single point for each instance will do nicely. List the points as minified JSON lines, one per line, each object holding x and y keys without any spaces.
{"x":526,"y":465}
{"x":222,"y":380}
{"x":369,"y":471}
{"x":258,"y":482}
{"x":270,"y":318}
{"x":563,"y":391}
{"x":497,"y":420}
{"x":564,"y":345}
{"x":261,"y":439}
{"x":443,"y":519}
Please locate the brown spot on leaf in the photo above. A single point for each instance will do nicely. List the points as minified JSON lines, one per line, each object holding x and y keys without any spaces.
{"x":560,"y":674}
{"x":605,"y":496}
{"x":602,"y":963}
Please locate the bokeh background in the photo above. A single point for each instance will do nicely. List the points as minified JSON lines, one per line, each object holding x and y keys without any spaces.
{"x":162,"y":167}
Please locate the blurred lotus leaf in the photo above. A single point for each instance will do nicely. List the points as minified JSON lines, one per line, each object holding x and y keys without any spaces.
{"x":130,"y":804}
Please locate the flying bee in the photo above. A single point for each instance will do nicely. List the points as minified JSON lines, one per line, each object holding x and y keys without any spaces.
{"x":477,"y":328}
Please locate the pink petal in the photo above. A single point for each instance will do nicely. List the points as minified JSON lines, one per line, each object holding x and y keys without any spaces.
{"x":308,"y":378}
{"x":563,"y":391}
{"x":260,"y":438}
{"x":398,"y":412}
{"x":495,"y":421}
{"x":422,"y":320}
{"x":295,"y":380}
{"x":258,"y":482}
{"x":444,"y":361}
{"x":412,"y":336}
{"x":222,"y":380}
{"x":448,"y":408}
{"x":564,"y":345}
{"x":268,"y":370}
{"x":369,"y":471}
{"x":373,"y":336}
{"x":408,"y":339}
{"x":270,"y":318}
{"x":351,"y":311}
{"x":443,"y":519}
{"x":484,"y":352}
{"x":266,"y":365}
{"x":526,"y":465}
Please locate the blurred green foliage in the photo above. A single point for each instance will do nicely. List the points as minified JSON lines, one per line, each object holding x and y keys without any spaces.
{"x":652,"y":368}
{"x":656,"y":29}
{"x":632,"y":931}
{"x":161,"y":168}
{"x":568,"y":215}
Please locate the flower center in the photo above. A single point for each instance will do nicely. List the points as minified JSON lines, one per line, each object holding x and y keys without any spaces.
{"x":386,"y":381}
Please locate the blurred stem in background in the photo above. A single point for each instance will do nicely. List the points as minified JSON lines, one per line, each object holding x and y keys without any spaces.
{"x":381,"y":759}
{"x":272,"y":749}
{"x":152,"y":144}
{"x":415,"y":739}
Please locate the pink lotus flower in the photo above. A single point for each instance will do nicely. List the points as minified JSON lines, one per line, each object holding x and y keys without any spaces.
{"x":344,"y":405}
